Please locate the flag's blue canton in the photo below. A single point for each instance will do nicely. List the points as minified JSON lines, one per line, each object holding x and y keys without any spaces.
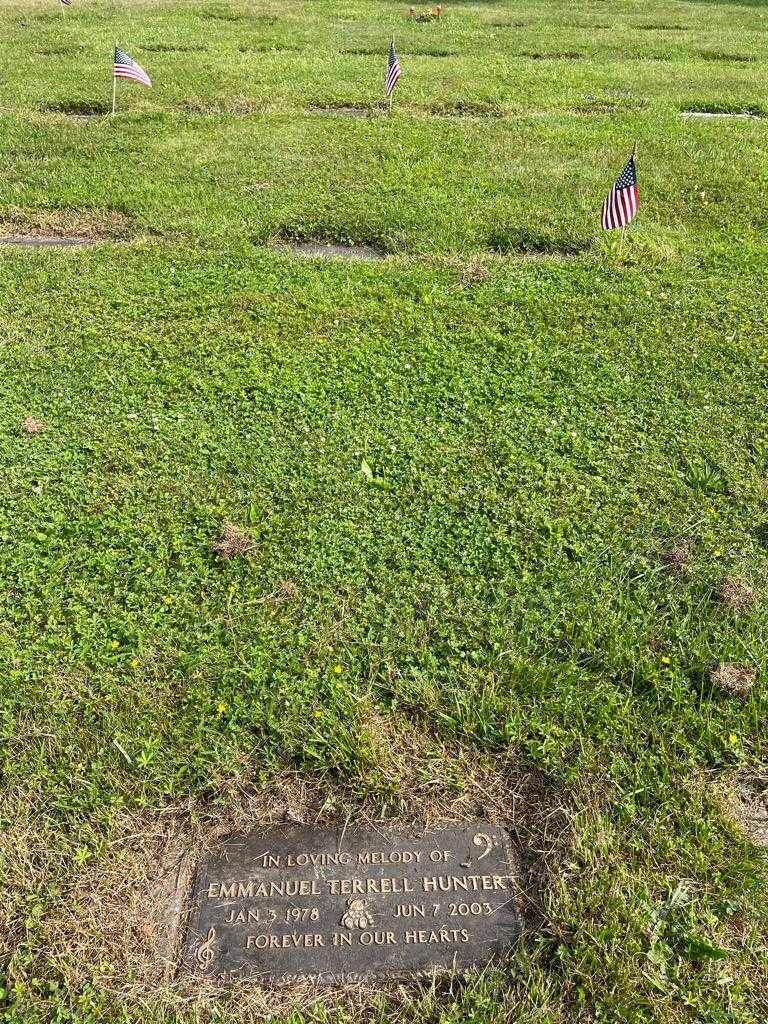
{"x":620,"y":205}
{"x":628,"y":176}
{"x":126,"y":67}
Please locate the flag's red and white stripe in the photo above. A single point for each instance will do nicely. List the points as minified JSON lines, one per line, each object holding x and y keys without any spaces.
{"x":394,"y":71}
{"x":126,"y":67}
{"x":620,"y":205}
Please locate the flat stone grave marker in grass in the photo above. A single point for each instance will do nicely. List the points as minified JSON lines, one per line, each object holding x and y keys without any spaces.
{"x":49,"y":241}
{"x":293,"y":902}
{"x":719,"y":113}
{"x":335,"y":250}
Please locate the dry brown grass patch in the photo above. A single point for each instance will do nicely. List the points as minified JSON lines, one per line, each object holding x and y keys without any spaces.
{"x":233,"y":541}
{"x":86,"y":224}
{"x":747,"y":802}
{"x":736,"y":680}
{"x":735,"y":594}
{"x":32,"y":426}
{"x":475,"y":273}
{"x":678,"y":557}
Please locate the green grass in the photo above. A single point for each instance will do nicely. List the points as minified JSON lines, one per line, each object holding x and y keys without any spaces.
{"x":543,"y":416}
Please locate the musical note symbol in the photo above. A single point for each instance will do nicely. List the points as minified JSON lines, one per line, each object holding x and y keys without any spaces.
{"x":481,"y":839}
{"x":205,"y":954}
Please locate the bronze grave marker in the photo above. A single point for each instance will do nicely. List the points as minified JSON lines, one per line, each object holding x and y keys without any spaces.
{"x":293,"y":902}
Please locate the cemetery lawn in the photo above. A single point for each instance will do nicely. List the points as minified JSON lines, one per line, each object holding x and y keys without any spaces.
{"x":503,"y":493}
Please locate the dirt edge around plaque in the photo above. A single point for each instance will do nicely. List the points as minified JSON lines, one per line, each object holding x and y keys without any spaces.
{"x":118,"y":919}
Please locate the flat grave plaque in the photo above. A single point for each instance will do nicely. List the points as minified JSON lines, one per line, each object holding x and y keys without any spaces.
{"x":293,"y":902}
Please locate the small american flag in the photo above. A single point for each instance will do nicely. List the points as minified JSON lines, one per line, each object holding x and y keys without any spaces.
{"x":620,"y":205}
{"x":393,"y":70}
{"x":126,"y":67}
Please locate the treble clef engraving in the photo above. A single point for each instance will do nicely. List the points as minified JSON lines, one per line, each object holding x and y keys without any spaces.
{"x":205,"y":954}
{"x":481,"y":839}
